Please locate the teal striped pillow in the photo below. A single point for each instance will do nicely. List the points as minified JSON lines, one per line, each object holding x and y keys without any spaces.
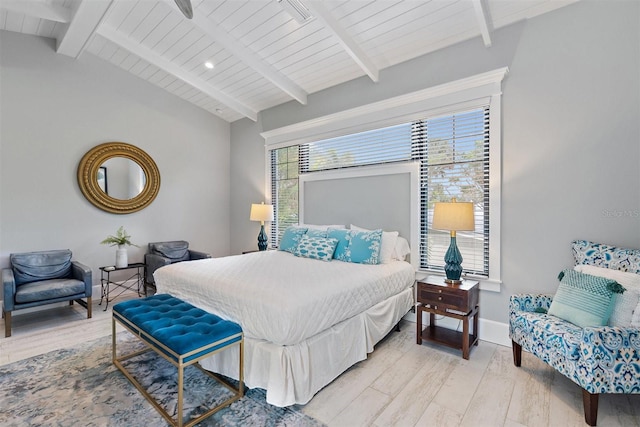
{"x":583,"y":299}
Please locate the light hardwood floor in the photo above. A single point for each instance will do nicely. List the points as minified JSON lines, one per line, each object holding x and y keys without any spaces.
{"x":400,"y":384}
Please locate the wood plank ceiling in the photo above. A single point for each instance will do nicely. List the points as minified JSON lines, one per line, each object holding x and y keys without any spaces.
{"x":263,"y":53}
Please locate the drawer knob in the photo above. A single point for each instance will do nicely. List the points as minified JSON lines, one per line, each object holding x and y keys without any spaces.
{"x":440,"y":291}
{"x":439,"y":298}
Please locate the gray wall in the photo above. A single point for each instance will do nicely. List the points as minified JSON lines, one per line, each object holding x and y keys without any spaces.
{"x":571,"y":135}
{"x":247,"y":183}
{"x":54,"y":109}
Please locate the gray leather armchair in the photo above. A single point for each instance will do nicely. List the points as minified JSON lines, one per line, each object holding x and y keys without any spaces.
{"x":45,"y":277}
{"x":165,"y":253}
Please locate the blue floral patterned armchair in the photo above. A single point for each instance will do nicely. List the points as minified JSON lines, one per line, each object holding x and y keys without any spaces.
{"x":600,"y":359}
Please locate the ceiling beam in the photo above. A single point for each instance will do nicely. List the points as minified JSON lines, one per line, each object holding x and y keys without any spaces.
{"x":482,"y":15}
{"x":346,"y":41}
{"x":38,"y":9}
{"x":240,"y":51}
{"x":87,"y":17}
{"x":169,"y":67}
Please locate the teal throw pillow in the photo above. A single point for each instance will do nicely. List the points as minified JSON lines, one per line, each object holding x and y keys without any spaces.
{"x":291,"y":238}
{"x":316,"y":233}
{"x":320,"y":248}
{"x":341,"y":248}
{"x":583,"y":299}
{"x":364,"y":246}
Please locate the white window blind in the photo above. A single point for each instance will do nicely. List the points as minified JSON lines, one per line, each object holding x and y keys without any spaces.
{"x":454,"y":155}
{"x":378,"y":146}
{"x":285,"y":167}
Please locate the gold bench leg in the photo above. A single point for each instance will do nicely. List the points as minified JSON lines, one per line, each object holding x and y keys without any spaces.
{"x":180,"y":393}
{"x":179,"y":421}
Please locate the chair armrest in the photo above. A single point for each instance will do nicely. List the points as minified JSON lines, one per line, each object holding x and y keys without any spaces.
{"x":154,"y":262}
{"x":529,"y":302}
{"x":8,"y":289}
{"x":611,"y":359}
{"x":198,"y":255}
{"x":83,"y":273}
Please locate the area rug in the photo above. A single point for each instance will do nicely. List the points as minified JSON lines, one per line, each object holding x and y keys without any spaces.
{"x":81,"y":387}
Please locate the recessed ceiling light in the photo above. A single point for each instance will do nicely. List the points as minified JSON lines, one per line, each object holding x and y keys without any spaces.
{"x":209,"y":65}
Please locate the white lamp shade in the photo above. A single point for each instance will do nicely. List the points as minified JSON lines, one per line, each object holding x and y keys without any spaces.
{"x":261,"y":212}
{"x":453,"y":216}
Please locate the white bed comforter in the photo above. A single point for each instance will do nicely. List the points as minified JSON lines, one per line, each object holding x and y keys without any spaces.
{"x":281,"y":298}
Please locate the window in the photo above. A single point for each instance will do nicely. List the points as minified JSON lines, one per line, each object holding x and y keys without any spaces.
{"x":464,"y":113}
{"x":285,"y":167}
{"x":454,"y":155}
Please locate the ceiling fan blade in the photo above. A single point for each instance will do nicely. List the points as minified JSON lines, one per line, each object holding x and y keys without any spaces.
{"x":185,"y":7}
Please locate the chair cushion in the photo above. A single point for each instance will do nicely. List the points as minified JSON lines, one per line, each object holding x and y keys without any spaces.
{"x":176,"y":251}
{"x":550,"y":334}
{"x":48,"y":289}
{"x":34,"y":266}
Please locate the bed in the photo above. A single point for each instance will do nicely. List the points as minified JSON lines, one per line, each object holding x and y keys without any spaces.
{"x":306,"y":321}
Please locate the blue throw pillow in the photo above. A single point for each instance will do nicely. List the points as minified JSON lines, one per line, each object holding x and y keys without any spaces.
{"x":583,"y":299}
{"x":364,"y":246}
{"x":341,"y":248}
{"x":291,"y":238}
{"x":316,"y":233}
{"x":320,"y":248}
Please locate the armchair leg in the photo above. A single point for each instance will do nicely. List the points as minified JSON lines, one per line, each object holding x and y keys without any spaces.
{"x":7,"y":323}
{"x":87,"y":305}
{"x":517,"y":353}
{"x":590,"y":402}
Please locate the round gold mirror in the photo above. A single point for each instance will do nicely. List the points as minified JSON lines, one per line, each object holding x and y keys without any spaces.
{"x":118,"y":177}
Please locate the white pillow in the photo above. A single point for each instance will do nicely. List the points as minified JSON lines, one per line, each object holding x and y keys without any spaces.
{"x":322,"y":227}
{"x":635,"y":320}
{"x":402,"y":249}
{"x":626,"y":305}
{"x":387,"y":246}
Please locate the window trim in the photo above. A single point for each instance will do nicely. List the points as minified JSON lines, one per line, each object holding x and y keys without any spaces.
{"x":478,"y":90}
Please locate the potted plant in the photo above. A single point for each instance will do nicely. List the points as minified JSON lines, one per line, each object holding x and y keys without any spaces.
{"x":121,"y":240}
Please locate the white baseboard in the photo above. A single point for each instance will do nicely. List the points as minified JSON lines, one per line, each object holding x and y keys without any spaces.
{"x":488,"y":330}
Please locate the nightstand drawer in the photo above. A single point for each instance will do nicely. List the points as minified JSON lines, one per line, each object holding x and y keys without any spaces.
{"x":459,"y":298}
{"x":442,"y":298}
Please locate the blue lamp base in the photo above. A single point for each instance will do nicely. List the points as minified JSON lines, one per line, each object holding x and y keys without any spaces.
{"x":453,"y":261}
{"x":262,"y":239}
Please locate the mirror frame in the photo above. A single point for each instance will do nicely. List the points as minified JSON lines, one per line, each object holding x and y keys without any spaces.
{"x":88,"y":182}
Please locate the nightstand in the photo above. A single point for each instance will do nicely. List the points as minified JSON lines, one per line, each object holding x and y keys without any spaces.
{"x":459,"y":301}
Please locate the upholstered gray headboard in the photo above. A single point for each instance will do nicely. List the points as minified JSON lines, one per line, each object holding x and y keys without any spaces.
{"x":386,"y":197}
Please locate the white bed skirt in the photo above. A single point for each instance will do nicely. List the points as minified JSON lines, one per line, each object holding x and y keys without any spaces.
{"x":294,"y":374}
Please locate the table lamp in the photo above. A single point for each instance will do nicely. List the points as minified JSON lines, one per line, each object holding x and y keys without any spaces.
{"x":262,"y":213}
{"x":453,"y":216}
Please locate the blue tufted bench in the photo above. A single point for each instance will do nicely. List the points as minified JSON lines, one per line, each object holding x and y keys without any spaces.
{"x":182,"y":334}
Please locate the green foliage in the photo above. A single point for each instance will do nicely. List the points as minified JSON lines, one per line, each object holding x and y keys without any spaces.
{"x":121,"y":238}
